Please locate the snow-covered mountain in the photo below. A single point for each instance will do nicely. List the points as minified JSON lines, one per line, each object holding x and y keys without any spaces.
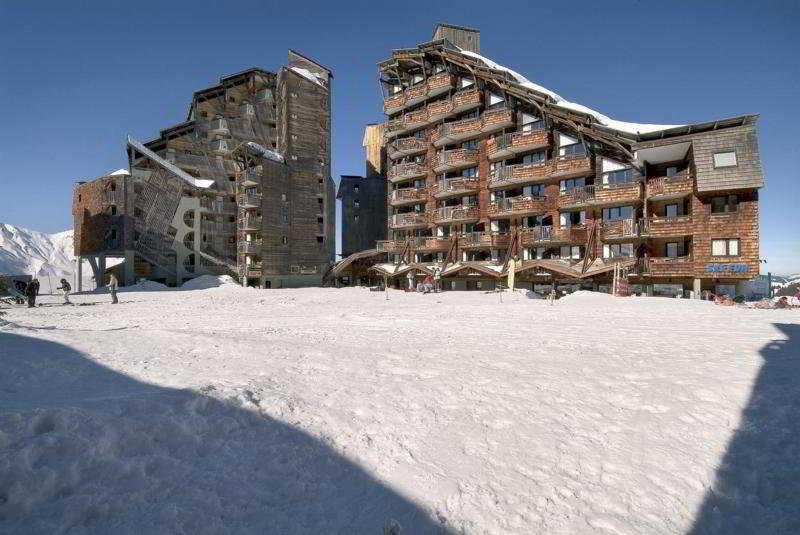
{"x":48,"y":257}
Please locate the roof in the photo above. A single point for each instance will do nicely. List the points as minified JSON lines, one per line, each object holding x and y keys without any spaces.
{"x":345,"y":263}
{"x":454,"y":26}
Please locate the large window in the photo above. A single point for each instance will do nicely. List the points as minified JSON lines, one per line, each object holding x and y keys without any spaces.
{"x":572,"y":183}
{"x":618,"y":250}
{"x":535,"y":190}
{"x":471,"y":144}
{"x":568,"y":219}
{"x":671,"y":210}
{"x":531,"y":122}
{"x":619,"y":176}
{"x":533,"y":158}
{"x":725,"y":159}
{"x":724,"y":204}
{"x":671,"y":249}
{"x":725,"y":247}
{"x":574,"y":252}
{"x":618,"y":212}
{"x":470,"y":172}
{"x":574,"y":150}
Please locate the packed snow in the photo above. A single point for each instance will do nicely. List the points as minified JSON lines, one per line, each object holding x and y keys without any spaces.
{"x":267,"y":153}
{"x":308,"y":75}
{"x":622,"y":126}
{"x":232,"y":409}
{"x":48,"y":257}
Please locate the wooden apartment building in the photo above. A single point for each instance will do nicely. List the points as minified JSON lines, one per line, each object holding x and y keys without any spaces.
{"x":242,"y":186}
{"x":489,"y":172}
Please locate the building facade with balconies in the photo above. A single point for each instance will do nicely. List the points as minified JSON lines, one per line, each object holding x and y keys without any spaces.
{"x":192,"y":204}
{"x":491,"y":173}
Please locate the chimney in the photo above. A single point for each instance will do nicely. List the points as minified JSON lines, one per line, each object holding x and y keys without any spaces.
{"x":462,"y":37}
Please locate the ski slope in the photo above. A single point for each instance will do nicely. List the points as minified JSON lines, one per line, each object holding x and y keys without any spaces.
{"x":228,"y":409}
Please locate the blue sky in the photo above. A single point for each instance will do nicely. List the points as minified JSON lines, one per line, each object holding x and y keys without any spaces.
{"x":76,"y":77}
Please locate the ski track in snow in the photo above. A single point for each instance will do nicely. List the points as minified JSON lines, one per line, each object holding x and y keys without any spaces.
{"x":595,"y":415}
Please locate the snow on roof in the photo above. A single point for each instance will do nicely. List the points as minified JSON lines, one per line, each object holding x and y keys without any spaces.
{"x":172,"y":168}
{"x":265,"y":152}
{"x":621,"y":126}
{"x":305,"y":73}
{"x":120,"y":172}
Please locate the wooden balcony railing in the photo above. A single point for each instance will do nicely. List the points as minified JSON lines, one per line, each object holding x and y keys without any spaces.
{"x":521,"y":173}
{"x":485,"y":239}
{"x":431,"y":243}
{"x":407,"y":195}
{"x":410,"y":219}
{"x":662,"y":266}
{"x":454,"y":159}
{"x":249,"y":223}
{"x":456,"y":213}
{"x":405,"y":146}
{"x":621,"y":229}
{"x":675,"y":186}
{"x":406,"y":171}
{"x":455,"y":186}
{"x":250,"y":247}
{"x":435,"y":85}
{"x":666,"y":227}
{"x":572,"y":165}
{"x":523,"y":204}
{"x":249,"y":200}
{"x":505,"y":145}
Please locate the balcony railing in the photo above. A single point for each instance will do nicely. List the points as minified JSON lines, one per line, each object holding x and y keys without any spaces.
{"x":497,"y":119}
{"x":431,"y":243}
{"x":224,"y":227}
{"x":666,"y":187}
{"x":250,"y":247}
{"x":521,"y":174}
{"x":506,"y":145}
{"x":485,"y":239}
{"x":466,"y":100}
{"x":405,"y":147}
{"x":667,"y":227}
{"x":411,"y":219}
{"x":439,"y":83}
{"x":406,"y":171}
{"x":218,"y":126}
{"x":455,"y":186}
{"x":662,"y":266}
{"x":449,"y":160}
{"x":572,"y":165}
{"x":249,"y":223}
{"x":520,"y":205}
{"x":601,"y":194}
{"x":390,"y":246}
{"x":407,"y":196}
{"x":435,"y":85}
{"x":249,"y":200}
{"x":451,"y":132}
{"x":218,"y":206}
{"x":621,"y":229}
{"x":456,"y":213}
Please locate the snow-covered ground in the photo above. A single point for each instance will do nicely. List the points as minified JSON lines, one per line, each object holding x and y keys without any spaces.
{"x":338,"y":411}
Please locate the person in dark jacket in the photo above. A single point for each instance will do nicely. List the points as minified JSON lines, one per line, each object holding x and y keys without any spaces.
{"x":30,"y":291}
{"x":66,"y":288}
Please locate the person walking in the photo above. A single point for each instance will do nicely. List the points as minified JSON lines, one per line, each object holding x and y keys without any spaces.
{"x":30,"y":292}
{"x":112,"y":287}
{"x":66,"y":288}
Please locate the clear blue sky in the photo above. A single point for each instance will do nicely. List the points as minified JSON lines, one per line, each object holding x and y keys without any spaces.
{"x":75,"y":77}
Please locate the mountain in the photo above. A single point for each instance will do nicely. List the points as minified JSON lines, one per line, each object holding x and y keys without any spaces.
{"x":48,"y":257}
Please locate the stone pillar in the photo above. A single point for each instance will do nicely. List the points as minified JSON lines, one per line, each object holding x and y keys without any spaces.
{"x":696,"y":288}
{"x":100,"y":277}
{"x":79,"y":273}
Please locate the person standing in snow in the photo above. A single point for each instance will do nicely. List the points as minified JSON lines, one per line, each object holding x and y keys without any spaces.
{"x":30,"y":292}
{"x":66,"y":288}
{"x":112,"y":287}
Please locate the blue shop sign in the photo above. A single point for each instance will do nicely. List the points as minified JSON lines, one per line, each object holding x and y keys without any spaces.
{"x":734,"y":268}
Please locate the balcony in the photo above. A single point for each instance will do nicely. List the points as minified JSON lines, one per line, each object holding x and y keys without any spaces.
{"x":415,"y":119}
{"x":253,"y":269}
{"x":456,"y":214}
{"x":572,"y":165}
{"x":218,"y":206}
{"x":250,"y":177}
{"x":449,"y":133}
{"x":601,"y":195}
{"x":394,"y":103}
{"x":439,"y":83}
{"x":223,"y":227}
{"x":405,"y":147}
{"x":250,"y":247}
{"x":452,"y":160}
{"x":441,"y":109}
{"x":507,"y":145}
{"x":406,"y":171}
{"x":395,"y":127}
{"x":667,"y":227}
{"x":218,"y":126}
{"x":405,"y":196}
{"x":674,"y":187}
{"x":453,"y":187}
{"x":249,"y":200}
{"x":517,"y":206}
{"x":390,"y":246}
{"x":250,"y":223}
{"x":619,"y":230}
{"x":494,"y":120}
{"x":432,"y":243}
{"x":541,"y":235}
{"x":435,"y":85}
{"x":408,"y":220}
{"x":661,"y":266}
{"x":493,"y":240}
{"x":520,"y":174}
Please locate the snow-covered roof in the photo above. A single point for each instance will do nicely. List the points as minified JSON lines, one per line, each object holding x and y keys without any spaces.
{"x":120,"y":172}
{"x":621,"y":126}
{"x":172,"y":168}
{"x":305,"y":73}
{"x":265,"y":152}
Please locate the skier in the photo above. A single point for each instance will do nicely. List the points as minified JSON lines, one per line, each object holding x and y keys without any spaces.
{"x":30,"y":291}
{"x":112,"y":286}
{"x":66,"y":288}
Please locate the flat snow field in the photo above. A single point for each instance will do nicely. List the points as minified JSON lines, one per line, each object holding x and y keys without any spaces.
{"x":233,"y":410}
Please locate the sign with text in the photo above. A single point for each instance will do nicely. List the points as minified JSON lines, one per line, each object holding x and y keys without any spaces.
{"x":731,"y":268}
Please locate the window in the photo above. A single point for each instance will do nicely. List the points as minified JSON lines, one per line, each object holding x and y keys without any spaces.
{"x":472,"y":144}
{"x":671,"y":210}
{"x":672,"y":171}
{"x":533,"y":158}
{"x":471,"y":172}
{"x":531,"y":122}
{"x":438,"y":67}
{"x":284,"y":240}
{"x":724,"y":204}
{"x":618,"y":250}
{"x":727,"y":247}
{"x":619,"y":176}
{"x":466,"y":81}
{"x":355,"y":188}
{"x":536,"y":190}
{"x":569,"y":219}
{"x":671,"y":249}
{"x":113,"y":209}
{"x":725,"y":159}
{"x":356,"y":204}
{"x":572,"y":183}
{"x":355,"y":217}
{"x":417,"y":78}
{"x":618,"y":212}
{"x":574,"y":252}
{"x":320,"y":239}
{"x":495,"y":101}
{"x":283,"y":197}
{"x":573,"y":150}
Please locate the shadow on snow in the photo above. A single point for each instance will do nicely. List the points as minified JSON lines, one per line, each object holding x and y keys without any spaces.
{"x":88,"y":448}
